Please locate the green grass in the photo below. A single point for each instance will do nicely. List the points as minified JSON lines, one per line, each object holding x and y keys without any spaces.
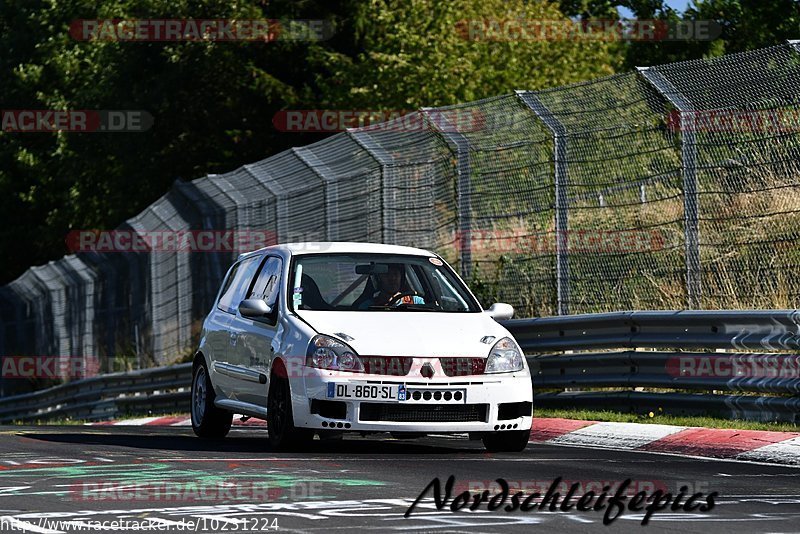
{"x":69,"y":422}
{"x":708,"y":422}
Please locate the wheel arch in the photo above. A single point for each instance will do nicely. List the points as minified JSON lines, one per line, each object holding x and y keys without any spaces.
{"x":199,"y":357}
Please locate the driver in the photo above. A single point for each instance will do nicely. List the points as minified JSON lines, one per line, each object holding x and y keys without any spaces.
{"x":389,"y":284}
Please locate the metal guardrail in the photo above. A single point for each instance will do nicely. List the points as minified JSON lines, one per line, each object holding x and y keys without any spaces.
{"x":590,"y":357}
{"x":735,"y":330}
{"x":691,"y":365}
{"x":157,"y":390}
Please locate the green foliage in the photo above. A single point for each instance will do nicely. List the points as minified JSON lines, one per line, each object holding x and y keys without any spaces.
{"x":417,"y":53}
{"x":213,"y":102}
{"x":745,"y":25}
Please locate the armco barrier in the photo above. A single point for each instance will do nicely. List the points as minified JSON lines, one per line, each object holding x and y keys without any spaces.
{"x":157,"y":390}
{"x":597,"y":351}
{"x":682,"y":352}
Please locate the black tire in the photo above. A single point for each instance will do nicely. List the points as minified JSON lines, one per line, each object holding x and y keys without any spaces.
{"x":283,"y":435}
{"x":508,"y":441}
{"x":208,"y":421}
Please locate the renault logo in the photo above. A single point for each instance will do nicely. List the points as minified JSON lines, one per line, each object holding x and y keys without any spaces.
{"x":426,"y":371}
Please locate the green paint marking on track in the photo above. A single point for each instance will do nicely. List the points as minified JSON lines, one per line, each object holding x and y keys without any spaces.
{"x":128,"y":473}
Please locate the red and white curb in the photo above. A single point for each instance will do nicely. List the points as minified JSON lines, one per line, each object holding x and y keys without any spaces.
{"x":177,"y":420}
{"x":750,"y":445}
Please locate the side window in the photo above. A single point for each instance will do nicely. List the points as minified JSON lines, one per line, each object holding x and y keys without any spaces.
{"x":226,"y":285}
{"x":268,"y":283}
{"x":239,"y":281}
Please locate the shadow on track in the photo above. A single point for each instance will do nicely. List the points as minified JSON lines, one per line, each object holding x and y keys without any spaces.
{"x":164,"y":439}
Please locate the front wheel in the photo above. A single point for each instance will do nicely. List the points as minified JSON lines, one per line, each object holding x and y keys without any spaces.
{"x":208,"y":421}
{"x":508,"y":441}
{"x":282,"y":433}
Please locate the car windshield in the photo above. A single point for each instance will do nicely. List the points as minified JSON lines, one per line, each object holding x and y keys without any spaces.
{"x":376,"y":283}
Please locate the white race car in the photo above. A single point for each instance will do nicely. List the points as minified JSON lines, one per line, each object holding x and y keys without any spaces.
{"x":328,"y":338}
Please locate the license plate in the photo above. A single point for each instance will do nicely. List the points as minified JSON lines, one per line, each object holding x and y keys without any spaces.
{"x":377,"y":392}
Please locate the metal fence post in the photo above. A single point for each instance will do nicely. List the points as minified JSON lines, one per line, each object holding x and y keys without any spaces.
{"x":331,"y":186}
{"x":561,"y":183}
{"x":281,"y":200}
{"x":459,"y":144}
{"x":384,"y":159}
{"x":689,"y":171}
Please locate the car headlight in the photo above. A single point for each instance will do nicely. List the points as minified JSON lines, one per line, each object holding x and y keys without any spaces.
{"x":325,"y":352}
{"x":504,"y":357}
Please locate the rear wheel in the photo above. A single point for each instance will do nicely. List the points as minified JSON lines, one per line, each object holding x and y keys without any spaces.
{"x":283,"y":435}
{"x":508,"y":441}
{"x":208,"y":421}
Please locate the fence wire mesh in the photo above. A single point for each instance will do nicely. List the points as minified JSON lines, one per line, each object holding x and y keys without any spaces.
{"x":675,"y":186}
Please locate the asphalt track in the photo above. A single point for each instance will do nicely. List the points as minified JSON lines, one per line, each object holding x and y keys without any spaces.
{"x":164,"y":479}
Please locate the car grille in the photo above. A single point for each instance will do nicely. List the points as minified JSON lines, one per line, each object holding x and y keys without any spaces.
{"x":401,"y":365}
{"x":387,"y":365}
{"x":424,"y":413}
{"x":463,"y":366}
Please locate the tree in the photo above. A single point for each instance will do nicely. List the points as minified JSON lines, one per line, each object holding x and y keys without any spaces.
{"x":213,"y":102}
{"x":742,"y":24}
{"x":417,"y":53}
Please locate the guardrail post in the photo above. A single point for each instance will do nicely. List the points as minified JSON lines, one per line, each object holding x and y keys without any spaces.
{"x":689,"y":171}
{"x":384,"y":159}
{"x":459,"y":144}
{"x":562,"y":202}
{"x":331,"y":185}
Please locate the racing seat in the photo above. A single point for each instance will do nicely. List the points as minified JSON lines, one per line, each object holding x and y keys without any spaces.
{"x":366,"y":294}
{"x":312,"y":297}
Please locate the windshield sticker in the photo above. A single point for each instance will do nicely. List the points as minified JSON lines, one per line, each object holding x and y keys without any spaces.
{"x":435,"y":261}
{"x":297,"y":293}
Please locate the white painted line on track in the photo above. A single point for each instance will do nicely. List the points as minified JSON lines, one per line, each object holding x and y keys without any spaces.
{"x":135,"y":422}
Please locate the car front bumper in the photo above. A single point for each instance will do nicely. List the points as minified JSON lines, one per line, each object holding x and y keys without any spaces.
{"x":487,"y":403}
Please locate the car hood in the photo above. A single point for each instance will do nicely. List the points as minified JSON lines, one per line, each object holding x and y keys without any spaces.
{"x":409,"y":333}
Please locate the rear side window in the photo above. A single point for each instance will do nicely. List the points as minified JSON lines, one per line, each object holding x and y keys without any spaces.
{"x":237,"y":284}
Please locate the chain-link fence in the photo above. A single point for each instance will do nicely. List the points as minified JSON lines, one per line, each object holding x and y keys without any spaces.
{"x":670,"y":187}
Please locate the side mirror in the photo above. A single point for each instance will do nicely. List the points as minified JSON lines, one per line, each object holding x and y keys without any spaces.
{"x":254,"y":308}
{"x":500,"y":311}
